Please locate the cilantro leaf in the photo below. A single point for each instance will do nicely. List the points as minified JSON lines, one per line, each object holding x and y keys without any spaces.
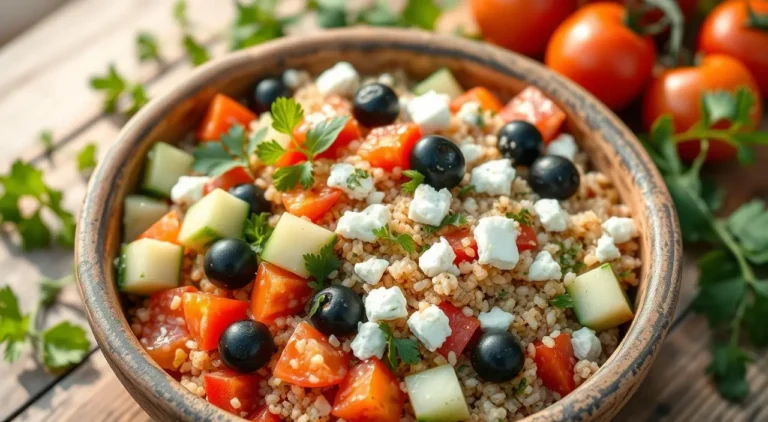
{"x":196,"y":52}
{"x":316,"y":302}
{"x":286,"y":178}
{"x":13,"y":325}
{"x":146,"y":47}
{"x":254,"y":139}
{"x":322,"y":264}
{"x":721,"y":288}
{"x":139,"y":99}
{"x":86,"y":158}
{"x":330,"y":13}
{"x":269,"y":152}
{"x":416,"y":179}
{"x":421,"y":13}
{"x":64,"y":345}
{"x":749,"y":223}
{"x":404,"y":240}
{"x":212,"y":159}
{"x":520,"y":389}
{"x":34,"y":233}
{"x":112,"y":85}
{"x":756,"y":314}
{"x":562,"y":301}
{"x":257,"y":231}
{"x":320,"y":137}
{"x":451,"y":219}
{"x":286,"y":115}
{"x":729,"y":370}
{"x":254,"y":24}
{"x":234,"y":140}
{"x":354,"y":179}
{"x":49,"y":289}
{"x":465,"y":190}
{"x":46,"y":138}
{"x":180,"y":13}
{"x":406,"y":349}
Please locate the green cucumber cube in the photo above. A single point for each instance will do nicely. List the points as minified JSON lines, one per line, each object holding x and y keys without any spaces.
{"x":216,"y":216}
{"x":442,"y":82}
{"x":148,"y":266}
{"x":139,"y":213}
{"x":436,"y":395}
{"x":599,"y":302}
{"x":165,"y":164}
{"x":293,"y":238}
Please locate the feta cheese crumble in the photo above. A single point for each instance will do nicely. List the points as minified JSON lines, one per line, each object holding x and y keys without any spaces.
{"x":360,"y":225}
{"x":496,"y":238}
{"x":494,"y":177}
{"x":496,"y":319}
{"x":188,"y":189}
{"x":369,"y":341}
{"x":551,"y":215}
{"x":292,"y":78}
{"x":544,"y":268}
{"x":355,"y":182}
{"x":606,"y":249}
{"x":586,"y":345}
{"x":429,"y":206}
{"x":375,"y":198}
{"x":472,"y":152}
{"x":564,"y":146}
{"x":372,"y":270}
{"x":341,"y":79}
{"x":471,"y":114}
{"x":621,"y":229}
{"x":430,"y":326}
{"x":385,"y":304}
{"x":438,"y":259}
{"x":430,"y":111}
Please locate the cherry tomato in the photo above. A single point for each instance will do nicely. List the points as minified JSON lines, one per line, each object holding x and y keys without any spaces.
{"x":208,"y":316}
{"x":369,"y":393}
{"x":312,"y":203}
{"x":223,"y":386}
{"x":235,"y":176}
{"x":223,"y":112}
{"x":462,"y":329}
{"x":554,"y":365}
{"x":727,"y":31}
{"x":277,"y":293}
{"x":390,"y":146}
{"x":487,"y":100}
{"x":165,"y":229}
{"x":678,"y":92}
{"x":595,"y":49}
{"x":463,"y":253}
{"x":536,"y":108}
{"x":299,"y":364}
{"x":527,"y":239}
{"x":263,"y":415}
{"x":523,"y":26}
{"x":166,"y":329}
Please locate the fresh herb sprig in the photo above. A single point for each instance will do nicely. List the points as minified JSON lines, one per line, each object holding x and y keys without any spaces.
{"x":257,"y":231}
{"x":113,"y":86}
{"x":146,"y":47}
{"x":355,"y":179}
{"x":86,"y":158}
{"x":405,"y":349}
{"x":417,"y":13}
{"x":562,"y":301}
{"x":416,"y":179}
{"x":524,"y":217}
{"x":256,"y":23}
{"x":403,"y":239}
{"x":321,"y":265}
{"x":46,"y":138}
{"x":456,"y":220}
{"x":234,"y":150}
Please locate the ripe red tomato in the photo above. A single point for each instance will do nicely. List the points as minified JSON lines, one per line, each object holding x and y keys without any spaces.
{"x":236,"y":176}
{"x":313,"y":203}
{"x":208,"y":316}
{"x":277,"y":293}
{"x":595,"y":49}
{"x":554,"y":365}
{"x":390,"y":146}
{"x":166,"y":329}
{"x":462,"y":329}
{"x":678,"y":92}
{"x":527,"y":239}
{"x":223,"y":386}
{"x":456,"y":238}
{"x":536,"y":108}
{"x":523,"y":26}
{"x":369,"y":393}
{"x":299,"y":364}
{"x":727,"y":30}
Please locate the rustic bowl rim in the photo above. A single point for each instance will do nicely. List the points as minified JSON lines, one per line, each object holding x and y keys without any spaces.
{"x":159,"y":394}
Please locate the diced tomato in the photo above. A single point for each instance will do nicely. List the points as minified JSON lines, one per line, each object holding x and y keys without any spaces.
{"x":277,"y":293}
{"x":390,"y":146}
{"x":299,"y":364}
{"x":223,"y":112}
{"x":487,"y":99}
{"x":462,"y":329}
{"x":165,"y":229}
{"x":166,"y":329}
{"x":555,"y":365}
{"x":527,"y":239}
{"x":263,"y":415}
{"x":208,"y":316}
{"x":235,"y":176}
{"x":313,"y":203}
{"x":456,"y":238}
{"x":369,"y":393}
{"x":223,"y":386}
{"x":534,"y":107}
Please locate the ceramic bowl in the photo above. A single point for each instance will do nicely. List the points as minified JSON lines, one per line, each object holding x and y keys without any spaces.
{"x":612,"y":148}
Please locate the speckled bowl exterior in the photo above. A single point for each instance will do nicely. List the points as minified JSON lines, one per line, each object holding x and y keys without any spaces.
{"x":612,"y":147}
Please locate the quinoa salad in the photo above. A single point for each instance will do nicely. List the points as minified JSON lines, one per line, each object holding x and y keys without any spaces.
{"x":377,"y":248}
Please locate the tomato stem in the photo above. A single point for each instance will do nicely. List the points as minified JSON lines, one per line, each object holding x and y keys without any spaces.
{"x":754,"y":20}
{"x":673,"y":19}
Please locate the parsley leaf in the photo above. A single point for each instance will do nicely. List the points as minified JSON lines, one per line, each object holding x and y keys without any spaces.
{"x":320,"y":137}
{"x":64,"y":345}
{"x":215,"y":158}
{"x":520,"y":389}
{"x":569,"y":258}
{"x":112,"y":86}
{"x":354,"y":179}
{"x":421,"y":13}
{"x":196,"y":52}
{"x":404,"y":240}
{"x":502,"y":295}
{"x":255,"y":23}
{"x":524,"y":217}
{"x":180,"y":13}
{"x":379,"y":14}
{"x":46,"y":138}
{"x":49,"y":288}
{"x":286,"y":178}
{"x":322,"y":264}
{"x":416,"y":179}
{"x":406,"y":349}
{"x":146,"y":47}
{"x":749,"y":224}
{"x":286,"y":115}
{"x":86,"y":158}
{"x":729,"y":370}
{"x":139,"y":99}
{"x":562,"y":301}
{"x":13,"y":325}
{"x":465,"y":190}
{"x":257,"y":231}
{"x":451,"y":219}
{"x":269,"y":152}
{"x":330,"y":13}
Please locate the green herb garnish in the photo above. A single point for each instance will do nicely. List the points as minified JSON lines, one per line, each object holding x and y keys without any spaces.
{"x":456,"y":220}
{"x":416,"y":179}
{"x":523,"y":217}
{"x":520,"y":389}
{"x":86,"y":158}
{"x":233,"y":150}
{"x":404,"y":240}
{"x":146,"y":47}
{"x":562,"y":301}
{"x":257,"y":231}
{"x":406,"y":349}
{"x":320,"y":266}
{"x":354,"y":179}
{"x":465,"y":190}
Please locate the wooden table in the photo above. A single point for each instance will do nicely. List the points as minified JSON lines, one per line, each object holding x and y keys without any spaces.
{"x":44,"y":85}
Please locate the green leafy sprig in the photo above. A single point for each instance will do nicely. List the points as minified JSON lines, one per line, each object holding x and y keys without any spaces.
{"x":403,"y":239}
{"x":256,"y":23}
{"x":416,"y":179}
{"x":456,"y":220}
{"x":321,"y":265}
{"x":257,"y":231}
{"x":86,"y":158}
{"x":146,"y":47}
{"x":113,"y":86}
{"x":234,"y":149}
{"x":524,"y":217}
{"x":562,"y":301}
{"x":399,"y":349}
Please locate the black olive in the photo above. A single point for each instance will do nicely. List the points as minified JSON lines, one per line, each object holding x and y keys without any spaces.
{"x":439,"y":160}
{"x":336,"y":310}
{"x":554,"y":177}
{"x":267,"y":91}
{"x":253,"y":195}
{"x":246,"y":346}
{"x":376,"y":105}
{"x":230,"y":263}
{"x":520,"y":141}
{"x":497,"y":356}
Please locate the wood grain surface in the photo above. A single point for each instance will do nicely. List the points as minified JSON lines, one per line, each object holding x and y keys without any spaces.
{"x":43,"y":84}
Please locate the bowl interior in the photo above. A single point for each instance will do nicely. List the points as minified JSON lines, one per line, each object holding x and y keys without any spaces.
{"x":612,"y":148}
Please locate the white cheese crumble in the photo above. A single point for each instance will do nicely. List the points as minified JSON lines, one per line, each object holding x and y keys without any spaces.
{"x":360,"y":225}
{"x":341,"y":79}
{"x":375,"y":198}
{"x":369,"y":341}
{"x":188,"y":189}
{"x":430,"y":111}
{"x":494,"y":177}
{"x":544,"y":268}
{"x":551,"y":215}
{"x":356,"y":183}
{"x":472,"y":152}
{"x":430,"y":326}
{"x":496,"y":319}
{"x":496,"y":238}
{"x":293,"y":78}
{"x":564,"y":145}
{"x":386,"y":79}
{"x":438,"y":259}
{"x":606,"y":249}
{"x":586,"y":345}
{"x":429,"y":206}
{"x":471,"y":114}
{"x":372,"y":270}
{"x":621,"y":229}
{"x":384,"y":304}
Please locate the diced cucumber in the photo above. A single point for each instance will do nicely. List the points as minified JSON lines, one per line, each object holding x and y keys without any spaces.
{"x":598,"y":299}
{"x":139,"y":213}
{"x":216,"y":216}
{"x":436,"y":395}
{"x":148,"y":266}
{"x":293,"y":238}
{"x":165,"y":164}
{"x":442,"y":82}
